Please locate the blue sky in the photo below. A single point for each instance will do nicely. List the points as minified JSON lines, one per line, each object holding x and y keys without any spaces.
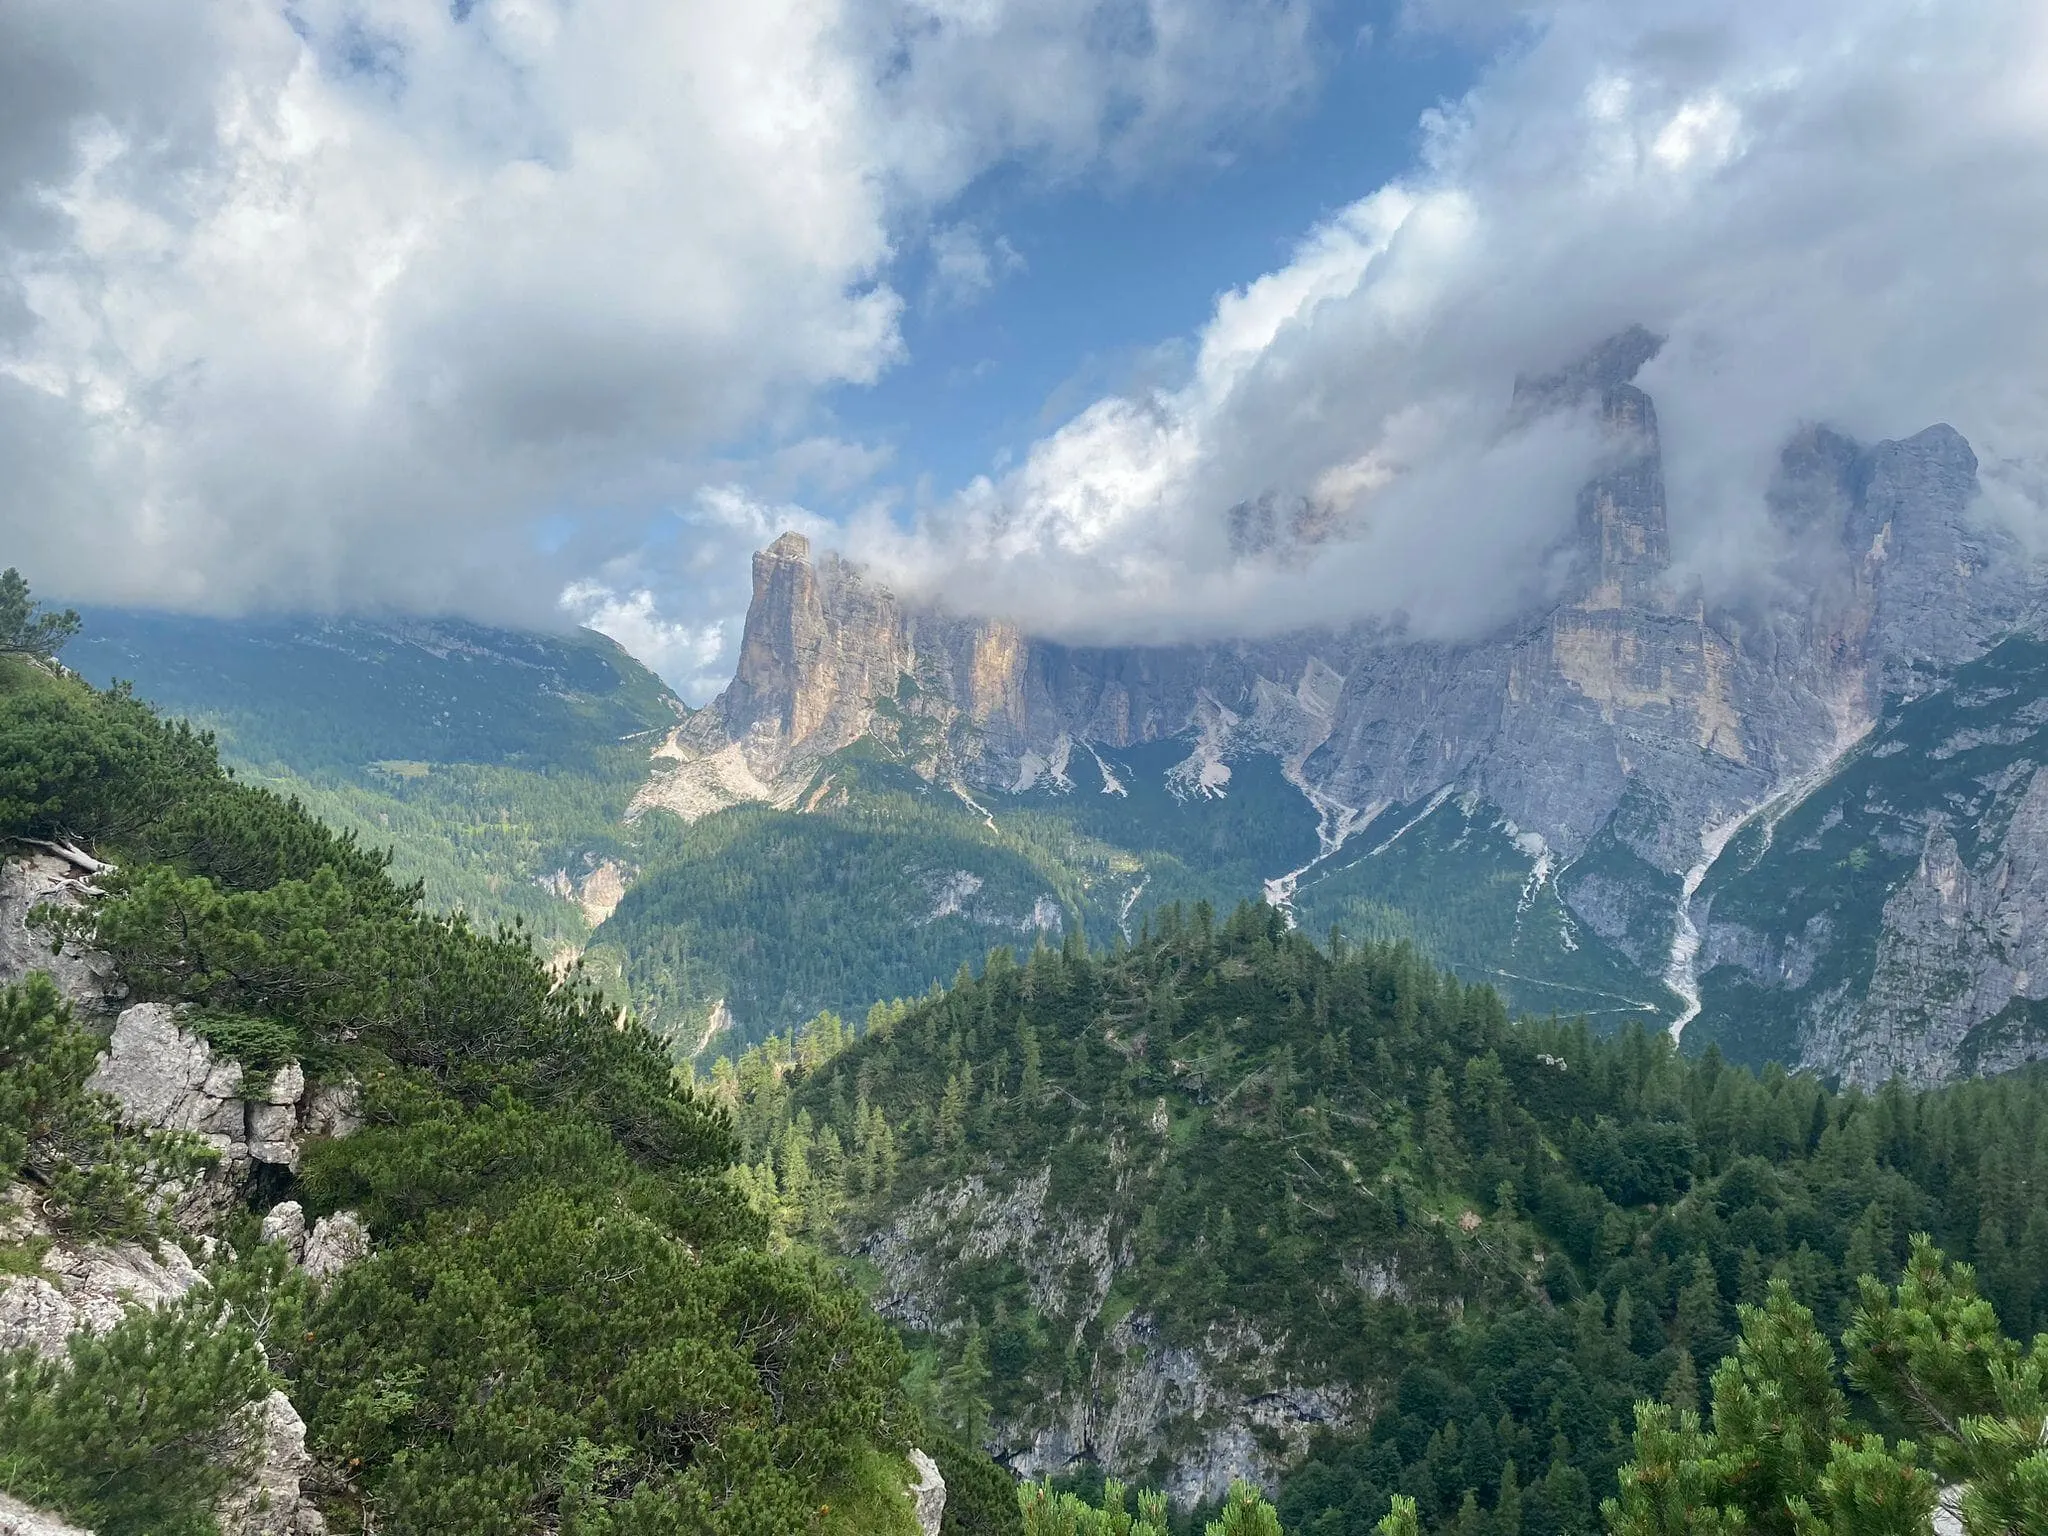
{"x":1114,"y":277}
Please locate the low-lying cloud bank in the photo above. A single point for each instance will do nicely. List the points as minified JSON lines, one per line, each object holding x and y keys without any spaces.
{"x":393,"y":303}
{"x":1833,"y":211}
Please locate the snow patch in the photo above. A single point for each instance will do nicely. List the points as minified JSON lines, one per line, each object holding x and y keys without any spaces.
{"x":1542,"y":864}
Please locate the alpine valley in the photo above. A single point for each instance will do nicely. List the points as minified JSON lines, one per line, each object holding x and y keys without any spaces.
{"x":1803,"y":826}
{"x":1263,"y":1064}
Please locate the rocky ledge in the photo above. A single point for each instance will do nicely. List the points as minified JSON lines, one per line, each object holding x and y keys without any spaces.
{"x":166,"y":1077}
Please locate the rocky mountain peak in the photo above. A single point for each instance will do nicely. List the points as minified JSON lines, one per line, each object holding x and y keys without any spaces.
{"x":1624,"y":544}
{"x":1612,"y":364}
{"x":789,"y":546}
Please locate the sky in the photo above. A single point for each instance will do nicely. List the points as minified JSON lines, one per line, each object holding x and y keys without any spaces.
{"x":550,"y":311}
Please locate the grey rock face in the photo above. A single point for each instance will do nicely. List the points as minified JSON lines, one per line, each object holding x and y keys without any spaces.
{"x":270,"y":1503}
{"x":164,"y":1077}
{"x":286,"y":1224}
{"x":1891,"y":916}
{"x":17,"y":1519}
{"x":334,"y":1244}
{"x":86,"y":978}
{"x":334,"y":1110}
{"x":927,"y":1494}
{"x":1216,"y":1412}
{"x":89,"y":1287}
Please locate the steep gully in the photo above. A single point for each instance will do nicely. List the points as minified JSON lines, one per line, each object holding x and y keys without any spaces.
{"x":1681,"y":973}
{"x":1337,"y":824}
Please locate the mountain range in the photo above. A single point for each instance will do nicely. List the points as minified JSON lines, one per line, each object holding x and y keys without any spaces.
{"x":1800,"y":826}
{"x":1546,"y":807}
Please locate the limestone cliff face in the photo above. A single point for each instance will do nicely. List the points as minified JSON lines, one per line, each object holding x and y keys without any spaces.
{"x":825,"y":648}
{"x":1892,"y":917}
{"x":1213,"y":1411}
{"x":1631,"y":720}
{"x":1629,"y":685}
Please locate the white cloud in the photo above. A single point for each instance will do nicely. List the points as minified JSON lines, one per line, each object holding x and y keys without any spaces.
{"x":1835,"y":211}
{"x":676,"y":600}
{"x":329,"y":302}
{"x":965,"y":265}
{"x":677,"y":651}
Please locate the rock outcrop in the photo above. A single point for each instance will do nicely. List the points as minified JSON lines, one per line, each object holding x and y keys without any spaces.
{"x":334,"y":1243}
{"x":163,"y":1076}
{"x":271,"y":1502}
{"x":91,"y":1287}
{"x":1214,"y":1413}
{"x":85,"y":977}
{"x":18,"y":1519}
{"x":927,"y":1494}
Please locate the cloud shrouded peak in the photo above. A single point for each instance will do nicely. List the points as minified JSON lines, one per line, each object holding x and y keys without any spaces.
{"x":1832,"y":212}
{"x":347,"y":302}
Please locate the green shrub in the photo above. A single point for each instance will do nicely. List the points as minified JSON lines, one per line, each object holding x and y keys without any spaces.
{"x":92,"y":1178}
{"x":981,"y":1497}
{"x":138,"y":1431}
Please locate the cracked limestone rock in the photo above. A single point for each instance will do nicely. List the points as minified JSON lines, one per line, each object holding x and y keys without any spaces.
{"x":286,"y":1224}
{"x":334,"y":1244}
{"x":166,"y":1077}
{"x":270,"y":1503}
{"x":334,"y":1109}
{"x":927,"y":1494}
{"x":88,"y":1287}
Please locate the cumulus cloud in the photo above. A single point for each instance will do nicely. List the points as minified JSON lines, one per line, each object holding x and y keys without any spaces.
{"x":335,"y":302}
{"x":1834,"y":211}
{"x":632,"y":618}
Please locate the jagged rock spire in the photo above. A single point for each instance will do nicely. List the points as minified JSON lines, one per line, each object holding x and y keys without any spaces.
{"x":1622,"y":528}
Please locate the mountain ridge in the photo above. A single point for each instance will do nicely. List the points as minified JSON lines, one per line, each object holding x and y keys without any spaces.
{"x":1625,"y":733}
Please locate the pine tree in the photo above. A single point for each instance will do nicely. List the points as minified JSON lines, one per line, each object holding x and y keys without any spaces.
{"x":27,"y":629}
{"x":1245,"y":1513}
{"x":1401,"y":1520}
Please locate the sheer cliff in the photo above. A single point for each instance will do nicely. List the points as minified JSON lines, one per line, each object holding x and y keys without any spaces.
{"x":1605,"y":748}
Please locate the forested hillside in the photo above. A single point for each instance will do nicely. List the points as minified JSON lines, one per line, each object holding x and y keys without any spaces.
{"x":497,"y":764}
{"x":568,"y":1321}
{"x":880,"y":883}
{"x":1225,"y":1193}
